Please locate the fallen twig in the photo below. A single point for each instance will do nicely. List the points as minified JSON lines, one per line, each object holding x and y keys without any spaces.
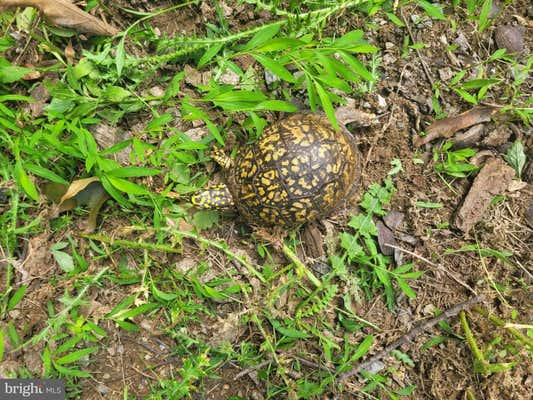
{"x":438,"y":266}
{"x":424,"y":65}
{"x":410,"y":335}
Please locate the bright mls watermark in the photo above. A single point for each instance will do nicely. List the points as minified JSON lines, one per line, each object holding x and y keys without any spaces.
{"x":32,"y":389}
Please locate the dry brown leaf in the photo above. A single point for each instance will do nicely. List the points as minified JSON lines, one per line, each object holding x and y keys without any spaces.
{"x":385,"y":237}
{"x":446,"y":127}
{"x":76,"y":187}
{"x":313,"y":241}
{"x":87,"y":192}
{"x":64,"y":13}
{"x":393,"y":219}
{"x":493,"y":179}
{"x":69,"y":52}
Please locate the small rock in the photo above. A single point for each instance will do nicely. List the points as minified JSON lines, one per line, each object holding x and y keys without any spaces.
{"x":388,"y":59}
{"x":510,"y":37}
{"x":298,"y":74}
{"x":102,"y":389}
{"x":404,"y":237}
{"x":185,"y":265}
{"x":389,"y":46}
{"x":229,"y":78}
{"x":462,"y":42}
{"x":382,"y":104}
{"x":196,"y":123}
{"x":226,"y":10}
{"x":157,"y":91}
{"x":516,"y":185}
{"x":256,"y":395}
{"x":270,"y":78}
{"x":445,"y":74}
{"x":375,"y":367}
{"x":498,"y":136}
{"x":197,"y":134}
{"x":41,"y":96}
{"x":429,"y":309}
{"x":192,"y":75}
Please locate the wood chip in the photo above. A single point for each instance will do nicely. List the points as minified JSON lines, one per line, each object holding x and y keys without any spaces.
{"x":493,"y":179}
{"x":445,"y":128}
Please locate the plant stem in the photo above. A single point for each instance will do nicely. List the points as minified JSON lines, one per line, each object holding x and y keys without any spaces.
{"x":301,"y":269}
{"x":497,"y":321}
{"x":478,"y":356}
{"x":131,"y":244}
{"x":171,"y":249}
{"x":190,"y":46}
{"x":225,"y":250}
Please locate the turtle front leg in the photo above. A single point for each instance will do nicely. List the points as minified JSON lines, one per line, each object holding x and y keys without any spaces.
{"x":221,"y":158}
{"x":215,"y":197}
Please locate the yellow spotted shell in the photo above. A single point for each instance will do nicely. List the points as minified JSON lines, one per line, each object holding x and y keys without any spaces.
{"x":300,"y":169}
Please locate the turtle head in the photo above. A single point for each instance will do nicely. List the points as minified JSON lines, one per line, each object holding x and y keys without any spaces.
{"x":215,"y":197}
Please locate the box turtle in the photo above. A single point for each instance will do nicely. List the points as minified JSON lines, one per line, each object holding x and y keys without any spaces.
{"x":300,"y":169}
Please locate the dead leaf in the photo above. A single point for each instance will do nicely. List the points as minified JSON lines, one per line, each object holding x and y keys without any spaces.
{"x":33,"y":75}
{"x":69,"y":52}
{"x":481,"y":156}
{"x":393,"y":219}
{"x":64,"y":13}
{"x":493,"y":179}
{"x":87,"y":192}
{"x":313,"y":241}
{"x":76,"y":187}
{"x":446,"y":127}
{"x":41,"y":96}
{"x":385,"y":237}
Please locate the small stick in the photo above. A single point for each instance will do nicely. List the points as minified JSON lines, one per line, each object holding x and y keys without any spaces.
{"x":251,"y":369}
{"x":438,"y":266}
{"x":424,"y":66}
{"x":301,"y":268}
{"x":409,"y":336}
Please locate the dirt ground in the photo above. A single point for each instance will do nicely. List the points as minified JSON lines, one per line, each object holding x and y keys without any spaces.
{"x":402,"y":102}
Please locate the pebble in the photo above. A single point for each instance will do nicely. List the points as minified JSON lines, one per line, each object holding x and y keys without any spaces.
{"x":382,"y":103}
{"x":445,"y":74}
{"x":429,"y":309}
{"x":270,"y":77}
{"x":375,"y":367}
{"x":388,"y":59}
{"x":229,"y":78}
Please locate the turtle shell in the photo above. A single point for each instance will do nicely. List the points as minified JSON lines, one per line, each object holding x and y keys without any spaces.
{"x":300,"y":169}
